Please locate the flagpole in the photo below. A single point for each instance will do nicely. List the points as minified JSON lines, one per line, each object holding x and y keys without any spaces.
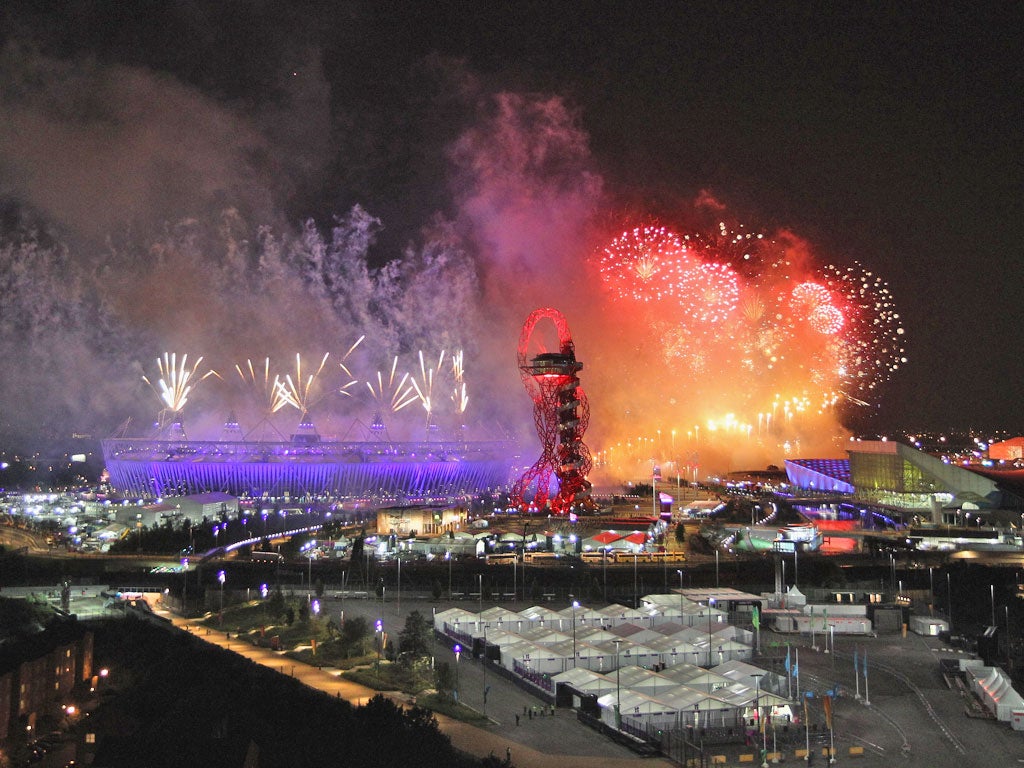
{"x":798,"y":671}
{"x":867,"y":697}
{"x":856,"y":672}
{"x":807,"y":731}
{"x":832,"y":732}
{"x":789,"y":675}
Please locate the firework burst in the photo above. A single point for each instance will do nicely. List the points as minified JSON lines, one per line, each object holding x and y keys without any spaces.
{"x":644,"y":264}
{"x":301,"y":393}
{"x":424,"y":387}
{"x":176,"y":380}
{"x":392,"y":393}
{"x":270,"y":393}
{"x":346,"y":388}
{"x":459,"y":396}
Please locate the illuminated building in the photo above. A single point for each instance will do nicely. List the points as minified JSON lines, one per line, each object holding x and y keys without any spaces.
{"x":893,"y":474}
{"x":341,"y":470}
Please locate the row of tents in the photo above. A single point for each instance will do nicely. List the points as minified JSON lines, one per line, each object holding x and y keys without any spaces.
{"x":670,"y":663}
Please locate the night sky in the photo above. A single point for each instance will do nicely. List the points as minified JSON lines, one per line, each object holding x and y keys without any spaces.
{"x":889,"y":134}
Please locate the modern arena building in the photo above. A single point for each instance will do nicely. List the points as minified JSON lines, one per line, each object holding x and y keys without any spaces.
{"x":152,"y":468}
{"x":888,"y":473}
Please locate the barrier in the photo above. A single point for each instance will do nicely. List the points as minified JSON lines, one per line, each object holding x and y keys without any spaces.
{"x":856,"y":751}
{"x":718,"y":759}
{"x":800,"y":753}
{"x":746,"y":758}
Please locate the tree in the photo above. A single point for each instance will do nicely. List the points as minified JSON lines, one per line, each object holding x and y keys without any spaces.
{"x":444,"y":680}
{"x":435,"y":590}
{"x":275,"y":604}
{"x":353,"y":634}
{"x":319,"y":588}
{"x":414,"y":639}
{"x":681,"y":534}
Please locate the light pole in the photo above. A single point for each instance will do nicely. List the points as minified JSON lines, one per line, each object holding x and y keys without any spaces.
{"x":604,"y":571}
{"x":760,"y":724}
{"x":399,"y":609}
{"x":458,"y":652}
{"x":680,"y":572}
{"x":618,"y":690}
{"x":949,"y":601}
{"x":448,"y":557}
{"x":711,"y":606}
{"x":575,"y":605}
{"x":221,"y":578}
{"x":378,"y":629}
{"x":931,"y":591}
{"x":480,"y":578}
{"x":636,"y":589}
{"x":184,"y":587}
{"x":483,"y":659}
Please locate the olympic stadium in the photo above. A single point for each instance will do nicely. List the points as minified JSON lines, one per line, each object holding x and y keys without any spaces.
{"x":340,"y":470}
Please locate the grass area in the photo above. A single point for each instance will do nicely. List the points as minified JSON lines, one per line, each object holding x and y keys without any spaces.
{"x":415,"y":682}
{"x":443,"y":705}
{"x":256,"y":621}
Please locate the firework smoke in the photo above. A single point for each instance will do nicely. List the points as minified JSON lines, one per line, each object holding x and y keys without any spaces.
{"x":702,"y":345}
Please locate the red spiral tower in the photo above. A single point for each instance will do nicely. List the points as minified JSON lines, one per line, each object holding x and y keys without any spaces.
{"x":561,"y":414}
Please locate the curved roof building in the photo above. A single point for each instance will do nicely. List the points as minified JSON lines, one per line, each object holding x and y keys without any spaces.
{"x":378,"y":470}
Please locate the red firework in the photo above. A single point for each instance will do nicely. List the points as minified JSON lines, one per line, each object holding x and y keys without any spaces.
{"x":644,"y":264}
{"x":709,"y":293}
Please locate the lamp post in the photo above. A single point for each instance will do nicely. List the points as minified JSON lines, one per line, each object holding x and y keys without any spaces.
{"x":680,"y":572}
{"x":604,"y":571}
{"x":949,"y":601}
{"x":378,"y":629}
{"x":760,"y":724}
{"x":931,"y":591}
{"x":458,"y":652}
{"x":711,"y":605}
{"x":448,"y":557}
{"x":221,"y":578}
{"x":618,"y":689}
{"x":184,"y":587}
{"x":636,"y":589}
{"x":575,"y":605}
{"x":483,"y":659}
{"x":399,"y":585}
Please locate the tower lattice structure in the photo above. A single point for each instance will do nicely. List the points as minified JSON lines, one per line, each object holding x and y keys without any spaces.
{"x":561,"y":414}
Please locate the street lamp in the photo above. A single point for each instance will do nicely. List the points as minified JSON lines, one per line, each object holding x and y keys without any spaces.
{"x":221,"y":578}
{"x":949,"y":601}
{"x":711,"y":605}
{"x":757,"y":708}
{"x":458,"y":652}
{"x":484,"y":660}
{"x":448,"y":557}
{"x":618,"y":689}
{"x":378,"y":630}
{"x":575,"y":605}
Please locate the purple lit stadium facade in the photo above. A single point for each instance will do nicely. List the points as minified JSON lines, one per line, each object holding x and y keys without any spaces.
{"x":349,"y":470}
